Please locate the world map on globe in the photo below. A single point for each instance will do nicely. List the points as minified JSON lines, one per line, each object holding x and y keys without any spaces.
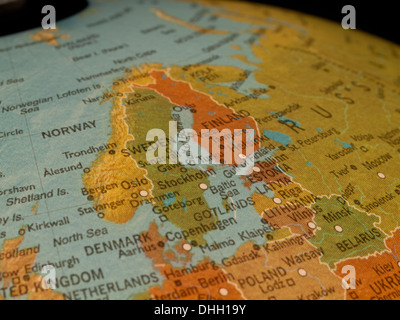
{"x":317,"y":216}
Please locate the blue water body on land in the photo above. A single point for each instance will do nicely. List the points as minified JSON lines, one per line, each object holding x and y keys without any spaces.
{"x":278,"y":137}
{"x":285,"y":119}
{"x":169,"y":200}
{"x":344,"y":144}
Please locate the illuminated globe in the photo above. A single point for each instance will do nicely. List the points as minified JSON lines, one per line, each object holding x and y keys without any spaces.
{"x":96,"y":202}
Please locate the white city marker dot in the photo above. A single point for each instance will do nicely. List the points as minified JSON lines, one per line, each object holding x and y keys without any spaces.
{"x":398,"y":263}
{"x":203,"y":186}
{"x":312,"y":225}
{"x":338,"y":228}
{"x":242,"y":156}
{"x":302,"y":272}
{"x":256,"y":169}
{"x":223,"y":292}
{"x":381,"y":175}
{"x":187,"y":247}
{"x":144,"y":193}
{"x":277,"y":200}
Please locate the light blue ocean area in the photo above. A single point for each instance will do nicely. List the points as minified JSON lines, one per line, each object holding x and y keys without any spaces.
{"x":115,"y":35}
{"x":244,"y":217}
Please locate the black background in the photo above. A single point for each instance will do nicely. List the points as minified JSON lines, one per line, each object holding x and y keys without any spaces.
{"x":377,"y":17}
{"x":381,"y":18}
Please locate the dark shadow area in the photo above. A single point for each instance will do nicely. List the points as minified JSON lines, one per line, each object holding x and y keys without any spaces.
{"x":20,"y":15}
{"x":380,"y":18}
{"x":376,"y":17}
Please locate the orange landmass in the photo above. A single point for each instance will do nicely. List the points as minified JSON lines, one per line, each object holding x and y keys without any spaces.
{"x":18,"y":280}
{"x":262,"y":273}
{"x":377,"y":276}
{"x":204,"y":280}
{"x":290,"y":206}
{"x":207,"y":113}
{"x":268,"y":172}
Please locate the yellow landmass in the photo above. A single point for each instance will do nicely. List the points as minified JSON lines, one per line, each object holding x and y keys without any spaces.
{"x":49,"y":36}
{"x":337,"y":85}
{"x":35,"y":207}
{"x":115,"y":169}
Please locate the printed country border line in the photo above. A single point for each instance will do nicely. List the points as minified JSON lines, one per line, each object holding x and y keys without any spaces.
{"x":372,"y":213}
{"x":35,"y":160}
{"x":347,"y":257}
{"x":117,"y":96}
{"x":356,"y":152}
{"x":391,"y":185}
{"x":199,"y":287}
{"x":220,"y":253}
{"x":321,"y":97}
{"x":395,"y":254}
{"x":377,"y":259}
{"x":372,"y":78}
{"x":298,"y":225}
{"x":387,"y":114}
{"x":359,"y":210}
{"x":223,"y":292}
{"x":163,"y":15}
{"x":319,"y":171}
{"x":121,"y":105}
{"x":324,"y":98}
{"x":299,"y":268}
{"x":374,"y":254}
{"x":378,"y":145}
{"x":220,"y":265}
{"x":230,"y":14}
{"x":167,"y":71}
{"x":233,"y":284}
{"x":291,"y":235}
{"x":364,"y":196}
{"x":204,"y":256}
{"x":329,"y":197}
